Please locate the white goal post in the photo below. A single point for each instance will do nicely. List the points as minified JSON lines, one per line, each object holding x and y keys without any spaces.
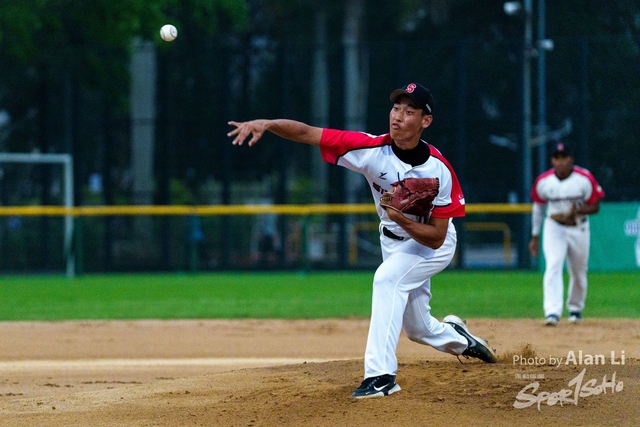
{"x":66,"y":160}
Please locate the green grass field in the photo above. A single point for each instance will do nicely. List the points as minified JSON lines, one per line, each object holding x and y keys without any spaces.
{"x":497,"y":294}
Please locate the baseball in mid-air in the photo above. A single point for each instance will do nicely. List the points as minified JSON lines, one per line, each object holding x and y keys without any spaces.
{"x":168,"y":32}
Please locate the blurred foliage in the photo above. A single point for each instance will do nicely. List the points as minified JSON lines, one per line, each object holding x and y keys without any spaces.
{"x":55,"y":31}
{"x":90,"y":42}
{"x":181,"y":194}
{"x":65,"y":74}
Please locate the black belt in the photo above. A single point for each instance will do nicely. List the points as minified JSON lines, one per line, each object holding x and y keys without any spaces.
{"x":391,"y":235}
{"x":579,"y":221}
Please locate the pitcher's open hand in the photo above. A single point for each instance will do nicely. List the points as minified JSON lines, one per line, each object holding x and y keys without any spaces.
{"x":255,"y":128}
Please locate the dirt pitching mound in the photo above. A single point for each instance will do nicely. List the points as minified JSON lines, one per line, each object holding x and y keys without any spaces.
{"x":294,"y":373}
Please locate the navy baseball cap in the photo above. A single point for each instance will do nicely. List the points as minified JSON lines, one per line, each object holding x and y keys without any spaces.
{"x":419,"y":94}
{"x":561,"y":148}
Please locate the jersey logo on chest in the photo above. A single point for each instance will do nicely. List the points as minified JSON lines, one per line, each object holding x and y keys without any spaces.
{"x":378,"y":188}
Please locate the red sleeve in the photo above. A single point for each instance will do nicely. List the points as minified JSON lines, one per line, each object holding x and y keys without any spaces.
{"x":457,"y":206}
{"x":336,"y":143}
{"x":597,"y":192}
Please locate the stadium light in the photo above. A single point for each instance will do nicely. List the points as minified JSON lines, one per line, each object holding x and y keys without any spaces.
{"x":512,"y":8}
{"x":546,"y":44}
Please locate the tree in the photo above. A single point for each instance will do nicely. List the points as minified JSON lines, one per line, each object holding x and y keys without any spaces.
{"x":45,"y":42}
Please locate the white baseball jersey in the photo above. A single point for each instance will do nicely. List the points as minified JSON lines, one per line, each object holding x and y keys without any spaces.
{"x":579,"y":188}
{"x":374,"y":158}
{"x":402,"y":283}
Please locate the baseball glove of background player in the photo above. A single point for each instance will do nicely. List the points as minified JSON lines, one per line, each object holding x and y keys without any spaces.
{"x":413,"y":196}
{"x":565,"y":218}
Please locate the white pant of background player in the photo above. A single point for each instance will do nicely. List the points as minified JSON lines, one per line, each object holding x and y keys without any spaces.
{"x":401,"y":302}
{"x":560,"y":243}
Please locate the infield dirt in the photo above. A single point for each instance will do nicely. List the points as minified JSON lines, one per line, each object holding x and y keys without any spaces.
{"x":301,"y":373}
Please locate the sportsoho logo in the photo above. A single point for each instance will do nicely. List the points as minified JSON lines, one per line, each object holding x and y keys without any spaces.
{"x":577,"y":388}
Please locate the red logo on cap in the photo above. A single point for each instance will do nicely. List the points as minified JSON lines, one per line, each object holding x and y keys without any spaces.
{"x":560,"y":147}
{"x":410,"y":88}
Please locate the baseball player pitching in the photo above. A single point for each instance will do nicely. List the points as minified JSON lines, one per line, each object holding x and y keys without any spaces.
{"x":416,"y":194}
{"x":570,"y":194}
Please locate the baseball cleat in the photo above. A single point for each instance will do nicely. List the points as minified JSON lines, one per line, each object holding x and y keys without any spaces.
{"x":477,"y":347}
{"x":551,"y":320}
{"x":575,"y":317}
{"x":382,"y":385}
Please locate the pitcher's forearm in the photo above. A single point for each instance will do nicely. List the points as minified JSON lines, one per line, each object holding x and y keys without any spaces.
{"x":295,"y":131}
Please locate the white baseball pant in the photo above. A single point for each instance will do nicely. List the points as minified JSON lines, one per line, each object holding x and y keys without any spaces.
{"x":401,"y":295}
{"x":560,"y":243}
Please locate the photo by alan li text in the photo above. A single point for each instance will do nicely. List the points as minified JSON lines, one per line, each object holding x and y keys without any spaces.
{"x":572,"y":359}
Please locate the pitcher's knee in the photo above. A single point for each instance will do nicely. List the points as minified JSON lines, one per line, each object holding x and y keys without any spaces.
{"x":415,"y":336}
{"x":423,"y":333}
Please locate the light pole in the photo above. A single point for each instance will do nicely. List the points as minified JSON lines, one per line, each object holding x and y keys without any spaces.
{"x":526,"y":100}
{"x":543,"y":46}
{"x":516,"y":8}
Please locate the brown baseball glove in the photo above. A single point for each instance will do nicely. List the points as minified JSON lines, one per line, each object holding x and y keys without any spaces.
{"x":413,"y":196}
{"x":565,"y":218}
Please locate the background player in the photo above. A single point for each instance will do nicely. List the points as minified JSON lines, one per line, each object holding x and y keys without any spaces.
{"x":413,"y":248}
{"x":570,"y":194}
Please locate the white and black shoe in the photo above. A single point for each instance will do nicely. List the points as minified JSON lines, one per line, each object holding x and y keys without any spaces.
{"x":477,"y":347}
{"x":551,"y":320}
{"x":575,"y":317}
{"x":382,"y":385}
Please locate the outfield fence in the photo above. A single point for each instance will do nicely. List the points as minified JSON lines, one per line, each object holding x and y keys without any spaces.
{"x":230,"y":237}
{"x":34,"y":239}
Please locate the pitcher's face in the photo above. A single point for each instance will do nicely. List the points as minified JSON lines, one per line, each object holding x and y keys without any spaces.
{"x":406,"y":122}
